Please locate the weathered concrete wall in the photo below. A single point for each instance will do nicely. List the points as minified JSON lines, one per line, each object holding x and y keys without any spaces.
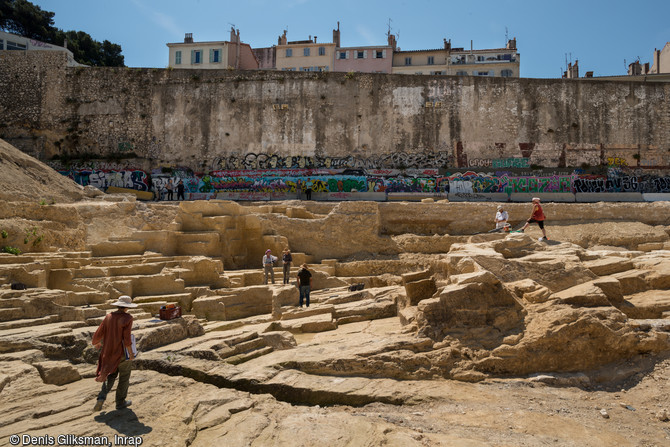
{"x":208,"y":120}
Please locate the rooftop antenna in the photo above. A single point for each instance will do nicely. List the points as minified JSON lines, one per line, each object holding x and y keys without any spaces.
{"x":388,"y":32}
{"x":506,"y":36}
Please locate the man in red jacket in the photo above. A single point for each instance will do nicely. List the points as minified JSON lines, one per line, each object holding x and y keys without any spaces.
{"x":113,"y":336}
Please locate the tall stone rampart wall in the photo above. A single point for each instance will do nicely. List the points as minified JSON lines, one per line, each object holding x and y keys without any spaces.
{"x":256,"y":131}
{"x":220,"y":119}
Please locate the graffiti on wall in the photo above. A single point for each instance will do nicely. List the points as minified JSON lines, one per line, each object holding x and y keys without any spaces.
{"x":377,"y":180}
{"x":393,"y":160}
{"x":499,"y":162}
{"x":103,"y":179}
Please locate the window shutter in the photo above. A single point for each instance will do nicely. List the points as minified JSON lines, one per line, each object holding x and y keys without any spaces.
{"x":211,"y":55}
{"x":346,"y":55}
{"x":365,"y":54}
{"x":384,"y":54}
{"x":192,"y":57}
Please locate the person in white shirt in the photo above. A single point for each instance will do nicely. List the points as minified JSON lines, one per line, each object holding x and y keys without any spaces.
{"x":501,"y":218}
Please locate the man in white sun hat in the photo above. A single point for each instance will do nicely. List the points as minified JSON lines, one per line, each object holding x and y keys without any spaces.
{"x":114,"y":339}
{"x":501,"y":218}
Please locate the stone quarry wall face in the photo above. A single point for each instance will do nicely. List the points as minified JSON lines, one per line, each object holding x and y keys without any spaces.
{"x":220,"y":119}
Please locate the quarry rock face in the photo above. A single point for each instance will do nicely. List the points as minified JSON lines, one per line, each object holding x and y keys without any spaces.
{"x":503,"y":337}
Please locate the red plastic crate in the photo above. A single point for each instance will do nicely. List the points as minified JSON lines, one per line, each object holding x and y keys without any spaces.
{"x":169,"y":314}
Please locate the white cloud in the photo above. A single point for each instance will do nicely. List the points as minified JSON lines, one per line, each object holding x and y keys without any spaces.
{"x":368,"y":36}
{"x":164,"y":21}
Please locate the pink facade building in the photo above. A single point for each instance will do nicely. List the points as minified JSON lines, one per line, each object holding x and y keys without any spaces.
{"x":364,"y":59}
{"x":372,"y":59}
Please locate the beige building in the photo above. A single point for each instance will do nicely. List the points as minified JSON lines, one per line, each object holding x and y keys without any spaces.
{"x":501,"y":62}
{"x":212,"y":55}
{"x":14,"y":42}
{"x":661,"y":62}
{"x":304,"y":55}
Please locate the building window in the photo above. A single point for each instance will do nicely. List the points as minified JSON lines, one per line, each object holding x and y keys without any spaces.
{"x":305,"y":51}
{"x":379,"y":54}
{"x":431,"y":60}
{"x":214,"y":56}
{"x":461,"y":73}
{"x":408,"y":61}
{"x":482,"y":73}
{"x":342,"y":54}
{"x":196,"y":56}
{"x":506,"y":73}
{"x":322,"y":51}
{"x":15,"y":46}
{"x":177,"y":57}
{"x":2,"y":46}
{"x":436,"y":73}
{"x":289,"y":52}
{"x":360,"y":54}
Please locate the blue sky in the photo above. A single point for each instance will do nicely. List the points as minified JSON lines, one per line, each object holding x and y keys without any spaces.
{"x":600,"y":34}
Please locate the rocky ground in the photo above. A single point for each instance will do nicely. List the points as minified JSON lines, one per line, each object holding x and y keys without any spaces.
{"x":452,"y":336}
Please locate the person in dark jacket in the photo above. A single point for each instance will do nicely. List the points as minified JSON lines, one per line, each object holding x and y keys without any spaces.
{"x":180,"y":190}
{"x":286,"y":259}
{"x":304,"y":284}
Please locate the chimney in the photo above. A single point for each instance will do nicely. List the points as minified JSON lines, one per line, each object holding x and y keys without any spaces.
{"x":188,"y":38}
{"x":511,"y":44}
{"x":573,"y":70}
{"x":336,"y":36}
{"x":282,"y":39}
{"x":314,"y":39}
{"x":237,"y":49}
{"x":589,"y":74}
{"x":657,"y":60}
{"x":391,"y":41}
{"x":447,"y":44}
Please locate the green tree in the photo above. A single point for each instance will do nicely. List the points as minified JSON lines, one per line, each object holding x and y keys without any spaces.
{"x":28,"y":20}
{"x":24,"y":18}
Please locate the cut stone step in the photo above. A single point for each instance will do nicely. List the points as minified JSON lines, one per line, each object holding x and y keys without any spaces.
{"x":28,"y":322}
{"x":241,"y":358}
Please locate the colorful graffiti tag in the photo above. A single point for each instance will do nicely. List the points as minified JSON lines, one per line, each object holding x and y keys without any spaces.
{"x":103,"y":179}
{"x":333,"y":181}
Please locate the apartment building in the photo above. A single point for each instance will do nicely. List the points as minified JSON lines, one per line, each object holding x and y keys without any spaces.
{"x":502,"y":62}
{"x":363,"y":59}
{"x":14,"y":42}
{"x":661,"y":63}
{"x":212,"y":55}
{"x":304,"y":55}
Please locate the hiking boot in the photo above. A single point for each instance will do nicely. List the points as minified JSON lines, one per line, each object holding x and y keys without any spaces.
{"x":123,"y":405}
{"x":98,"y":405}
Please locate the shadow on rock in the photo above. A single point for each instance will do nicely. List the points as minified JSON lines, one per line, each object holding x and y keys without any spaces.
{"x":124,"y":421}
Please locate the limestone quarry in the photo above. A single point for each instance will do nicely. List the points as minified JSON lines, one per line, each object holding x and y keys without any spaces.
{"x":424,"y":328}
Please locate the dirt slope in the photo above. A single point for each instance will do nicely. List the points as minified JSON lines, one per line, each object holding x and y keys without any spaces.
{"x":23,"y":178}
